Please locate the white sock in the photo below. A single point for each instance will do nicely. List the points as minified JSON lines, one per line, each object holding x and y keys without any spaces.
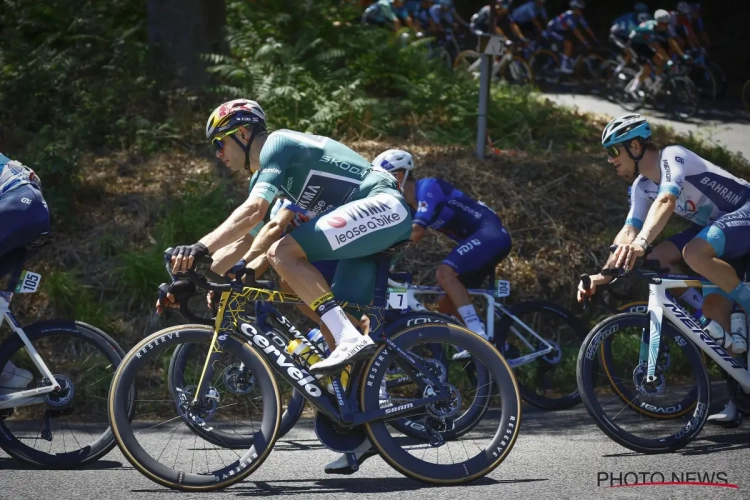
{"x":693,"y":298}
{"x":339,"y":324}
{"x":469,"y":314}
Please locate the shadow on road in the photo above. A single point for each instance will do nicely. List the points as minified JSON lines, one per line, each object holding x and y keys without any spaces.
{"x":12,"y":464}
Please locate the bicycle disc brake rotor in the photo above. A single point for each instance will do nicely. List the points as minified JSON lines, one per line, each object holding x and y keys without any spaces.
{"x":648,"y":388}
{"x":444,"y":409}
{"x":200,"y":411}
{"x":62,"y":397}
{"x":238,"y":379}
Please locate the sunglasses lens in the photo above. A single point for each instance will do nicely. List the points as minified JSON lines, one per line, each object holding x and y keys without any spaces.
{"x":613,"y":152}
{"x":218,"y":144}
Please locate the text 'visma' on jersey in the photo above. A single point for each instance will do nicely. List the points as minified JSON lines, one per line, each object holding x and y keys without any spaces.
{"x":442,"y":207}
{"x":704,"y":191}
{"x":315,"y":172}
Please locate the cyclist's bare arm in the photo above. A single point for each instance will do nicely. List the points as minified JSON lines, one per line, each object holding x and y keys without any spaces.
{"x":411,"y":24}
{"x":242,"y":220}
{"x":625,"y":237}
{"x":660,"y":52}
{"x":675,"y":47}
{"x":537,"y":24}
{"x":580,"y":36}
{"x":517,"y":31}
{"x":224,"y":258}
{"x":658,"y":216}
{"x":591,"y":33}
{"x":417,"y":233}
{"x":268,"y":234}
{"x":499,"y":31}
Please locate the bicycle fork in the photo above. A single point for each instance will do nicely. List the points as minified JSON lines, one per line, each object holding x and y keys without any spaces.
{"x":655,"y":318}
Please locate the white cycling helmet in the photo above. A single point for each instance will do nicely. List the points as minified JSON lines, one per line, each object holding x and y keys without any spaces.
{"x":577,"y":4}
{"x":394,"y":160}
{"x":662,"y":16}
{"x":684,"y":8}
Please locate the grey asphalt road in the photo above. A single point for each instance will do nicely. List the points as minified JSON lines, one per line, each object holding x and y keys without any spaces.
{"x":558,"y":455}
{"x":725,"y":123}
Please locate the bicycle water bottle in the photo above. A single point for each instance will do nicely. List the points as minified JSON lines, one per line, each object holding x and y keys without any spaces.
{"x":716,"y":332}
{"x":304,"y":354}
{"x":739,"y":331}
{"x":315,"y":336}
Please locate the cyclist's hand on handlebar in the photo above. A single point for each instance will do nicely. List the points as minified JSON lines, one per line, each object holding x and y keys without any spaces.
{"x":625,"y":256}
{"x":596,"y":279}
{"x":184,"y":256}
{"x":171,"y":295}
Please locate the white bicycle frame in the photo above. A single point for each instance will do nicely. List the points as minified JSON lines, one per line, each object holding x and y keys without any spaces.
{"x":30,"y":396}
{"x":660,"y":306}
{"x":409,"y":292}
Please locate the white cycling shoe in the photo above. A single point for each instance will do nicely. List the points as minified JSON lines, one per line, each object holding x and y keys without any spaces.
{"x":341,"y":464}
{"x":14,"y":379}
{"x":728,"y":414}
{"x":347,"y":352}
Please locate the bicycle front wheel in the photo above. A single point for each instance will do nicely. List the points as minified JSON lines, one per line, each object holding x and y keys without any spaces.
{"x":682,"y":97}
{"x":655,"y":417}
{"x":67,"y":428}
{"x":439,"y":460}
{"x":518,"y":72}
{"x":162,"y":445}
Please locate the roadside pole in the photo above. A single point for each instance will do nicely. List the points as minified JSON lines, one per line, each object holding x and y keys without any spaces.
{"x":486,"y":49}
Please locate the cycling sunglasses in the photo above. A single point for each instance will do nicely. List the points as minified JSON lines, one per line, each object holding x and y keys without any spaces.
{"x":218,"y":141}
{"x":612,"y":151}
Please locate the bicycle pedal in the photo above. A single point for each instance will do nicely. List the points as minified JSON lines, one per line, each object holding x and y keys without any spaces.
{"x":351,"y":459}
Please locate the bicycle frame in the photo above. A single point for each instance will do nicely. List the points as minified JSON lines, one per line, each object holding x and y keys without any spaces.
{"x":660,"y":305}
{"x":233,"y":319}
{"x":492,"y":312}
{"x":30,"y":396}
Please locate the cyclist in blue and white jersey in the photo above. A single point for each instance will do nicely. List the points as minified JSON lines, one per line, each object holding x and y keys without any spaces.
{"x":409,"y":14}
{"x":623,"y":25}
{"x":23,"y":216}
{"x":482,"y":240}
{"x":567,"y":28}
{"x":676,"y":180}
{"x":531,"y":17}
{"x":443,"y":15}
{"x":383,"y":13}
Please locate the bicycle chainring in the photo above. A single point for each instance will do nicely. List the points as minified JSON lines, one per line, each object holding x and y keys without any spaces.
{"x":337,"y":438}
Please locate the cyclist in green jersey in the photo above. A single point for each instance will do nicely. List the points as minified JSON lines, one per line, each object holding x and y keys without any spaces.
{"x":360,"y":213}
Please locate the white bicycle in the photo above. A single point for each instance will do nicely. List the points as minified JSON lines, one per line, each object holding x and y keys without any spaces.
{"x":54,"y":383}
{"x":509,"y":67}
{"x":540,"y":340}
{"x":642,"y":377}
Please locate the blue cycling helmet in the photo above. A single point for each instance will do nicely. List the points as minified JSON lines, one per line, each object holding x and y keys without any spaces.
{"x":641,"y":7}
{"x":445,"y":3}
{"x":626,"y":128}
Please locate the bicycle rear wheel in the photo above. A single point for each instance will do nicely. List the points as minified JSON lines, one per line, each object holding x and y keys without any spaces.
{"x":544,"y":68}
{"x":440,"y":461}
{"x":681,"y":97}
{"x":645,"y":417}
{"x":547,"y":382}
{"x":159,"y":442}
{"x":67,"y":428}
{"x":518,"y":72}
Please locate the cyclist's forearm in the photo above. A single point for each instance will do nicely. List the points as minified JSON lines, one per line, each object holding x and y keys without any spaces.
{"x":676,"y":47}
{"x":538,"y":26}
{"x":591,"y":33}
{"x":517,"y":31}
{"x":580,"y":36}
{"x":270,"y":233}
{"x":242,"y":220}
{"x":625,"y":237}
{"x":225,"y":257}
{"x":657,"y":218}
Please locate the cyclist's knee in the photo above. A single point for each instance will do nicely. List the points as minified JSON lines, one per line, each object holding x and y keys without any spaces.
{"x":697,"y":252}
{"x":283,"y":250}
{"x":445,"y":274}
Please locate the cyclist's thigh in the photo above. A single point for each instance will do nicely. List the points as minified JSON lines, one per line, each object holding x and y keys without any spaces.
{"x":327,"y":268}
{"x":729,"y":236}
{"x":357,"y":229}
{"x":354,"y":280}
{"x":23,"y":217}
{"x":670,"y":250}
{"x":478,"y":252}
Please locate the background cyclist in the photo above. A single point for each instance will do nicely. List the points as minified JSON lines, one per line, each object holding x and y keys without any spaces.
{"x":567,"y":28}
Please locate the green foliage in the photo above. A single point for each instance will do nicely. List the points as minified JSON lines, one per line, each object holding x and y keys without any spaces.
{"x":196,"y":210}
{"x":70,"y":298}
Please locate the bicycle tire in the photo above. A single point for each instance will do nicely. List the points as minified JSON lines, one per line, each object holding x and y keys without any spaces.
{"x":291,"y":414}
{"x":544,"y":67}
{"x":465,"y":59}
{"x":151,"y":348}
{"x":586,"y":377}
{"x":720,"y":77}
{"x":102,"y":444}
{"x":527,"y":393}
{"x":589,"y":72}
{"x":389,"y":446}
{"x":705,"y":81}
{"x":681,"y":90}
{"x":518,"y":72}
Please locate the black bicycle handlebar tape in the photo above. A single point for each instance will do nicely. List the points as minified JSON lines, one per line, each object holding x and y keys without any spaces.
{"x":586,"y":280}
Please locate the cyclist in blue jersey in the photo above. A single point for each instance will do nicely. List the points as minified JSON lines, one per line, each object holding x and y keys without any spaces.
{"x":623,"y":25}
{"x":383,"y":13}
{"x":531,"y":17}
{"x":567,"y":28}
{"x":696,"y":21}
{"x":443,"y":15}
{"x":482,"y":240}
{"x":676,"y":180}
{"x":649,"y":42}
{"x":504,"y":25}
{"x":409,"y":14}
{"x":23,"y":216}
